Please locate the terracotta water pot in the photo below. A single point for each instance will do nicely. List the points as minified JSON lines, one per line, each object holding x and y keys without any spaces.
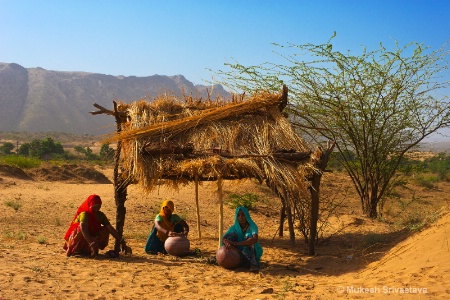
{"x":177,"y":245}
{"x":229,"y":259}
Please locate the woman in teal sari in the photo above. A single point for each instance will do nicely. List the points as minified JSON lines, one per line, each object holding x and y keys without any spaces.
{"x":243,"y":235}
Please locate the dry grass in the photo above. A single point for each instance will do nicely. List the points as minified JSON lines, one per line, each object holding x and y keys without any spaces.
{"x":215,"y":139}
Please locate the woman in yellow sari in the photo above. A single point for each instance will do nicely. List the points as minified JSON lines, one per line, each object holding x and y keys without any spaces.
{"x":166,"y":224}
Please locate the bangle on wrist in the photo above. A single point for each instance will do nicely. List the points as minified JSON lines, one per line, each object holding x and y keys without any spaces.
{"x":92,"y":243}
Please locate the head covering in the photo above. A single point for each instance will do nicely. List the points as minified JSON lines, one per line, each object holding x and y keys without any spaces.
{"x":237,"y":226}
{"x":86,"y":206}
{"x":167,"y":203}
{"x":165,"y":222}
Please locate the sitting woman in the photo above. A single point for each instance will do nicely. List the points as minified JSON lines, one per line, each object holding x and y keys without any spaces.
{"x":243,"y":235}
{"x":166,"y":224}
{"x":90,"y":229}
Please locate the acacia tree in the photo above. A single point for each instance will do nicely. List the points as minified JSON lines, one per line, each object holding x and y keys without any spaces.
{"x":376,"y":106}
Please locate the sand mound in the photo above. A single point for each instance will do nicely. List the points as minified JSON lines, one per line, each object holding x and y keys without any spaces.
{"x":417,"y":266}
{"x":69,"y":173}
{"x":14,"y":172}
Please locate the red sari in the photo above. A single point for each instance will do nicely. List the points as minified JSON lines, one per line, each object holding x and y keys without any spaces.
{"x":74,"y":239}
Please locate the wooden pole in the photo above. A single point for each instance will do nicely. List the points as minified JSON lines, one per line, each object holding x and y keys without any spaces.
{"x":198,"y":207}
{"x":219,"y":192}
{"x":120,"y":185}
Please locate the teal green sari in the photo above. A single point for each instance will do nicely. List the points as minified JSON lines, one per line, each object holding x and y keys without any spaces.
{"x":252,"y":229}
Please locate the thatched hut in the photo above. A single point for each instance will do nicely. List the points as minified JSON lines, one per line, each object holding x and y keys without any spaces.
{"x":178,"y":141}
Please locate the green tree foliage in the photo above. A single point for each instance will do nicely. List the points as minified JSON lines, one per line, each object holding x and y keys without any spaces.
{"x":24,"y":149}
{"x":106,"y":152}
{"x":40,"y":148}
{"x":6,"y":148}
{"x":438,"y":164}
{"x":87,"y":152}
{"x":376,"y":105}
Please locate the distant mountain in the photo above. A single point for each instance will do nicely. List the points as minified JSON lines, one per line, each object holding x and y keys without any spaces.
{"x":39,"y":100}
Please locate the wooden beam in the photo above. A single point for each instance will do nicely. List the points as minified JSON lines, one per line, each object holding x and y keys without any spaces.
{"x":188,"y":152}
{"x":102,"y":110}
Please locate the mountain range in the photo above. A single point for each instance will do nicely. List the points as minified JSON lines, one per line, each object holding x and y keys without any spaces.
{"x":39,"y":100}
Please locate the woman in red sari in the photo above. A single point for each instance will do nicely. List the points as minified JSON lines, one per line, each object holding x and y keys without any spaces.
{"x":90,"y":229}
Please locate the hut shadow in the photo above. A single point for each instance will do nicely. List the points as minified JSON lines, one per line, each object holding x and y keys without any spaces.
{"x":143,"y":258}
{"x":342,"y":254}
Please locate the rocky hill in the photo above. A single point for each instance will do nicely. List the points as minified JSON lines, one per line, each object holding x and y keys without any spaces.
{"x":39,"y":100}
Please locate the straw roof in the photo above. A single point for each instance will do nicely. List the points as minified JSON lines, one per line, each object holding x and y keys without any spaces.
{"x":185,"y":140}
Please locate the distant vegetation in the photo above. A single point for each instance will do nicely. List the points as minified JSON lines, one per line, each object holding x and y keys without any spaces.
{"x":434,"y":168}
{"x":32,"y":154}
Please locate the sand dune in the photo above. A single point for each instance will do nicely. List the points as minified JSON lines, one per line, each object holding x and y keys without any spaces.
{"x":33,"y":264}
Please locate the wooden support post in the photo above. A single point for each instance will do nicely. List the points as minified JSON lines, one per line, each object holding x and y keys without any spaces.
{"x":120,"y":186}
{"x":282,"y":217}
{"x":314,"y":189}
{"x":219,"y":192}
{"x":290,"y":219}
{"x":197,"y":207}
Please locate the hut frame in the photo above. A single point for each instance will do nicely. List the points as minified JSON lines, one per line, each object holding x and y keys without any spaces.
{"x":139,"y":147}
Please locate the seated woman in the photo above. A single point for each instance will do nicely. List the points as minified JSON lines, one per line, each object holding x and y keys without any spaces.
{"x":243,"y":235}
{"x":90,"y":229}
{"x":166,"y":224}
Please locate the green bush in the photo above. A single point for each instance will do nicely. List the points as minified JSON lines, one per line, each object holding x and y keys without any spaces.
{"x":41,"y":240}
{"x":427,"y":181}
{"x":246,"y":200}
{"x":13,"y":204}
{"x":21,"y":161}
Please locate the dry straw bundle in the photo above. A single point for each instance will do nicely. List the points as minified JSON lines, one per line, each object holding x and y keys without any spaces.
{"x":184,"y":140}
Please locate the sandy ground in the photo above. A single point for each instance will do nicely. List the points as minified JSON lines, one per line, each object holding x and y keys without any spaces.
{"x":34,"y":266}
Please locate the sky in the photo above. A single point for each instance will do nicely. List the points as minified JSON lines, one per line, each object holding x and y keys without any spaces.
{"x":191,"y":38}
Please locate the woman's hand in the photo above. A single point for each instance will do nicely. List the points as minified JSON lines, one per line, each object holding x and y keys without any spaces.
{"x":94,"y":249}
{"x":173,"y":233}
{"x":124,"y":247}
{"x":123,"y":244}
{"x":228,"y":244}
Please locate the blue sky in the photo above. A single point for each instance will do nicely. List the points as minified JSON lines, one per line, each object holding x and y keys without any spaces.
{"x":143,"y":38}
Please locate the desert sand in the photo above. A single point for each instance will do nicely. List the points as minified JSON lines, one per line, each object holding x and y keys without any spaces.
{"x":34,"y":265}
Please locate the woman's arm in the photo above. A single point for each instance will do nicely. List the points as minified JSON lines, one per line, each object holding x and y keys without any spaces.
{"x":161,"y":229}
{"x":185,"y":227}
{"x":85,"y":231}
{"x":247,"y":242}
{"x":113,"y":232}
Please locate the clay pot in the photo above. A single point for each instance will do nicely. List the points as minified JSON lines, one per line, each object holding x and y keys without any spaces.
{"x":177,"y":245}
{"x":229,"y":259}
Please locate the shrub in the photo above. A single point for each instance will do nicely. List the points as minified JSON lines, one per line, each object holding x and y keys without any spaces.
{"x":14,"y":205}
{"x":246,"y":200}
{"x":427,"y":181}
{"x":21,"y":161}
{"x":41,"y":240}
